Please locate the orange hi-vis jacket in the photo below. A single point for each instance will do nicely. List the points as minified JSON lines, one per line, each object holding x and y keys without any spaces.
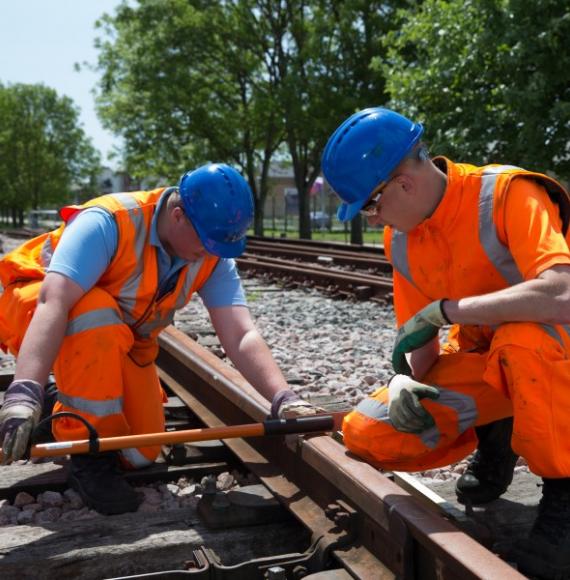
{"x":104,"y":368}
{"x":132,"y":275}
{"x":481,"y":261}
{"x":493,"y":228}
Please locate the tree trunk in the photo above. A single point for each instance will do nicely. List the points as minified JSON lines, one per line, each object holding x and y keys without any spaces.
{"x":356,"y":230}
{"x":258,"y":221}
{"x":304,"y":213}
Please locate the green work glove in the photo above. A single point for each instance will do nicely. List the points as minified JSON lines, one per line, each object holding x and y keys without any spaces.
{"x":419,"y":330}
{"x":404,"y":408}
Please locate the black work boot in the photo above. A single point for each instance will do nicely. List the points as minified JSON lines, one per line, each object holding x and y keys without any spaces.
{"x":546,"y":552}
{"x":100,"y":483}
{"x":491,"y":470}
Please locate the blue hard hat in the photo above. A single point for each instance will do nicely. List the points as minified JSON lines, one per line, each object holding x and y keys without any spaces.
{"x":363,"y":152}
{"x":219,"y":203}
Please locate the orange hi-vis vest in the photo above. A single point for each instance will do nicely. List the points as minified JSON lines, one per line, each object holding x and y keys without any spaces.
{"x":473,"y":260}
{"x":132,"y":276}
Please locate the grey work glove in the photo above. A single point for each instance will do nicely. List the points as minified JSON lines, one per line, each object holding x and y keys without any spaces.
{"x":19,"y":415}
{"x":418,"y":331}
{"x":404,"y":408}
{"x":287,"y":405}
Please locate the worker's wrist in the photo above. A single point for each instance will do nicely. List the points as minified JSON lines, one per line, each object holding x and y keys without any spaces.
{"x":280,"y":398}
{"x":24,"y":392}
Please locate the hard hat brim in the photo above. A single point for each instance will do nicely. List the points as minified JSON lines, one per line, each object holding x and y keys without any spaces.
{"x":225,"y":250}
{"x":348,"y":211}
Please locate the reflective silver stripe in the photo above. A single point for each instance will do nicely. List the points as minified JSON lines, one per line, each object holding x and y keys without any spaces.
{"x":191,"y":274}
{"x":145,"y":330}
{"x":430,"y":437}
{"x":127,"y":200}
{"x":136,"y":458}
{"x":399,"y":251}
{"x":463,"y":405}
{"x":498,"y":254}
{"x":93,"y":319}
{"x":379,"y":411}
{"x":553,"y":333}
{"x":566,"y":328}
{"x":97,"y":408}
{"x":128,"y":294}
{"x":374,"y":409}
{"x":163,"y":321}
{"x":46,"y":253}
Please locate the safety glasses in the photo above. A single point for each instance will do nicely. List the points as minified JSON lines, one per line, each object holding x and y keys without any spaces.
{"x":370,"y":208}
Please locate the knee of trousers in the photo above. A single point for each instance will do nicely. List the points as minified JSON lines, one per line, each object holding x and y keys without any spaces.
{"x":95,"y":345}
{"x":368,"y":433}
{"x":89,"y":366}
{"x":531,"y":363}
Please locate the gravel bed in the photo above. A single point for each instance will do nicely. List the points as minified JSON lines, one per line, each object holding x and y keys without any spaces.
{"x":52,"y":506}
{"x":323,"y":346}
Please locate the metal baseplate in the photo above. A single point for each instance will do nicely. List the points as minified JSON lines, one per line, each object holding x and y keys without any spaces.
{"x":311,"y":564}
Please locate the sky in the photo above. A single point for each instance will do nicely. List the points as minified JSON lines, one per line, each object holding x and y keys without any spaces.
{"x":41,"y":40}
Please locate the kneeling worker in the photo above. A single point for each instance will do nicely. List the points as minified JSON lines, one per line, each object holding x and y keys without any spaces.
{"x":89,"y":299}
{"x":485,"y":249}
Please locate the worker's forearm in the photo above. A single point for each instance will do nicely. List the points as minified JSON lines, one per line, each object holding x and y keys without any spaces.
{"x":41,"y":343}
{"x":422,"y":359}
{"x":532,"y":301}
{"x":255,"y":362}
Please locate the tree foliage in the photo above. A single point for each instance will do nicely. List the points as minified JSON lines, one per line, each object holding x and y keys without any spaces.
{"x":184,"y":83}
{"x":323,"y":56}
{"x":188,"y":81}
{"x":489,"y":78}
{"x":43,"y":149}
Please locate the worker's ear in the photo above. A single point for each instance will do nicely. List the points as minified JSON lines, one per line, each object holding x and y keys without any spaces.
{"x":405,"y":182}
{"x":178,"y":214}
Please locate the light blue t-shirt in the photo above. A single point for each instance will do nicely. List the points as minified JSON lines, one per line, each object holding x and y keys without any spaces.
{"x":90,"y":240}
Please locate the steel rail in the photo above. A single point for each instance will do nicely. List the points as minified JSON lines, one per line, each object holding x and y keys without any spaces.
{"x":366,"y":284}
{"x":358,"y":248}
{"x":386,"y":533}
{"x":309,"y":254}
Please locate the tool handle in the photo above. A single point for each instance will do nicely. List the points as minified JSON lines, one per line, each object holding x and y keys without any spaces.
{"x":316,"y":423}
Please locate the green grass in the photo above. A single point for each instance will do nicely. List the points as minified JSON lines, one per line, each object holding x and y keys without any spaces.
{"x":373,"y":237}
{"x":253,"y":296}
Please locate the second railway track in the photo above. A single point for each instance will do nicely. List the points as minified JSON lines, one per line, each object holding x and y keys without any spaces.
{"x":363,"y":273}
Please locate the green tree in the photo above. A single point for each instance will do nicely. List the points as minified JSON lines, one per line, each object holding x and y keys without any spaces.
{"x":43,"y":149}
{"x":489,"y":78}
{"x":185,"y":82}
{"x":324,"y":58}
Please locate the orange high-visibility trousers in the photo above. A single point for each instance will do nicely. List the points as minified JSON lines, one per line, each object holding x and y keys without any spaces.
{"x":526,"y":373}
{"x":94,"y":373}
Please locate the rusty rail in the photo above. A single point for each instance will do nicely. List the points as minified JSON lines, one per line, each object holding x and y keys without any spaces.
{"x":369,"y":525}
{"x":373,"y":261}
{"x":363,"y":286}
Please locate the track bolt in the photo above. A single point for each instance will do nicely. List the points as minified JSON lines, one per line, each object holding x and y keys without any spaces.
{"x":300,"y":571}
{"x":275,"y":573}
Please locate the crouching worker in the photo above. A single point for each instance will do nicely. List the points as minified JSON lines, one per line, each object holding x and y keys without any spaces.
{"x":485,"y":249}
{"x":89,"y":299}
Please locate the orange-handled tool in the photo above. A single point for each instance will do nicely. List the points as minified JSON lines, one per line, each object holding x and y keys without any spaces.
{"x":318,"y":423}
